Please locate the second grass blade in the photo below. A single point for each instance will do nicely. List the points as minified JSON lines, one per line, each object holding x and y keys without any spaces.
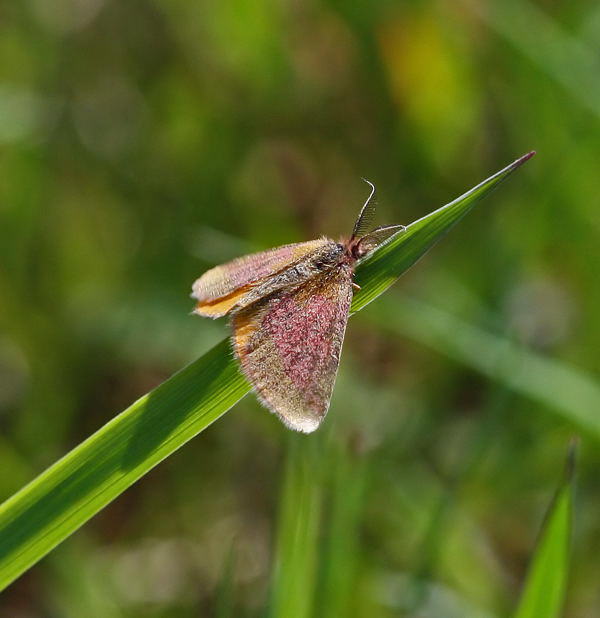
{"x":546,"y":583}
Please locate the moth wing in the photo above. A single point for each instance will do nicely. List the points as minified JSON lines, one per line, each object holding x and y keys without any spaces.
{"x":289,"y":346}
{"x":220,"y":289}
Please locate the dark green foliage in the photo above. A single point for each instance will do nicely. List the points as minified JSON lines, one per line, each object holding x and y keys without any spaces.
{"x":143,"y":142}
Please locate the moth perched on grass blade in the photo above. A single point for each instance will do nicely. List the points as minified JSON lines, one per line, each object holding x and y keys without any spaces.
{"x":289,"y":308}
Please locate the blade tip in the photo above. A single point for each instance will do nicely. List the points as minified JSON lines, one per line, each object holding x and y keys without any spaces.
{"x":525,"y":157}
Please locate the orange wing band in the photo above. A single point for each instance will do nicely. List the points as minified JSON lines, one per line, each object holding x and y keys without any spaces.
{"x":221,"y":306}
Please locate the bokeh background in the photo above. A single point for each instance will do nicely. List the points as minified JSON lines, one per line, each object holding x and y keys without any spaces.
{"x":143,"y":142}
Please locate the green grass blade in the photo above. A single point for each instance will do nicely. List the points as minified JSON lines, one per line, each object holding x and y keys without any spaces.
{"x":381,"y":268}
{"x":70,"y":492}
{"x":546,"y":582}
{"x":66,"y":495}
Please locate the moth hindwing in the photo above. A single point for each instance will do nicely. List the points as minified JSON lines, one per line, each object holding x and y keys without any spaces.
{"x":289,"y":344}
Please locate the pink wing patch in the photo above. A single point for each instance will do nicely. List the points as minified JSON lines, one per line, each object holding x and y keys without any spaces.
{"x":297,"y":332}
{"x":289,"y":346}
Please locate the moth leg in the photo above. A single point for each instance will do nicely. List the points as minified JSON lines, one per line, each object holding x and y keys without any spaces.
{"x":356,"y":286}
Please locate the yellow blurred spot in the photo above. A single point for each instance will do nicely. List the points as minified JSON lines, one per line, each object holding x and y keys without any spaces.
{"x":428,"y":78}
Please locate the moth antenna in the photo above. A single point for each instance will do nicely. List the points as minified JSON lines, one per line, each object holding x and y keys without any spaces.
{"x":366,"y":213}
{"x":378,"y":236}
{"x":372,"y":190}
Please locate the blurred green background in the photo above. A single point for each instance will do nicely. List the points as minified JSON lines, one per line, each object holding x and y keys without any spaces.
{"x":143,"y":142}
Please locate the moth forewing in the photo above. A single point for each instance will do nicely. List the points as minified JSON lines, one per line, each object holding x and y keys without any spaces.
{"x":221,"y":288}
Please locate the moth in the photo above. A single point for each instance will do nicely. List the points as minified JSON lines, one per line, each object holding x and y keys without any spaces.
{"x":289,"y":307}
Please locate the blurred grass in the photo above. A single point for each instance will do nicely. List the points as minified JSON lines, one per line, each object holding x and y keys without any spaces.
{"x":61,"y":499}
{"x":566,"y":390}
{"x":132,"y":159}
{"x":295,"y":566}
{"x":341,"y":556}
{"x":570,"y":60}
